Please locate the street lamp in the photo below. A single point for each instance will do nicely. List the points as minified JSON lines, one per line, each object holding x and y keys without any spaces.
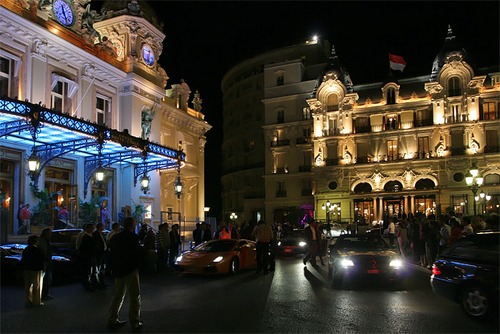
{"x":483,"y":198}
{"x":328,"y":207}
{"x":474,"y":180}
{"x":233,"y":216}
{"x":145,"y":183}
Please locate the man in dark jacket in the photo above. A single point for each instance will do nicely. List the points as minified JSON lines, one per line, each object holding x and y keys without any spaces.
{"x":32,"y":264}
{"x":313,"y":240}
{"x":125,"y":262}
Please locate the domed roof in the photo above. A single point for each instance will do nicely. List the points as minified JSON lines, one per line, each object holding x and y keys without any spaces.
{"x":451,"y":47}
{"x":335,"y":70}
{"x":112,"y":8}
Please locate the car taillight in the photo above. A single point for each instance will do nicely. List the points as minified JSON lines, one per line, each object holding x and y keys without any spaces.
{"x":435,"y":270}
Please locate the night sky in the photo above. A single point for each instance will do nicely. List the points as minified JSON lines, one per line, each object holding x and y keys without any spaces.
{"x":205,"y":39}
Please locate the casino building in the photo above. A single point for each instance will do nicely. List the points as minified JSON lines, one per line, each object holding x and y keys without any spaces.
{"x":86,"y":118}
{"x":341,"y":152}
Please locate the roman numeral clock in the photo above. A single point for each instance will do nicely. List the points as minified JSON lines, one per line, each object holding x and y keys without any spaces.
{"x":63,"y":12}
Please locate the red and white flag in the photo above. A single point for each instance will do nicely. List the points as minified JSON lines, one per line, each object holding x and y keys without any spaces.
{"x":396,"y":63}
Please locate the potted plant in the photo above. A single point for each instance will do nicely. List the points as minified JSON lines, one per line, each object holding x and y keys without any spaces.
{"x":88,"y":212}
{"x":42,"y":212}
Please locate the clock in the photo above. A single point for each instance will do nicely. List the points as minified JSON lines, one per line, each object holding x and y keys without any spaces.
{"x":63,"y":12}
{"x":148,"y":55}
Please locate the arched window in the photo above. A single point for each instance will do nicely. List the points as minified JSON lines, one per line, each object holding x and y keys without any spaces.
{"x":454,"y":87}
{"x":363,"y":188}
{"x":393,"y":186}
{"x":332,"y":102}
{"x":423,"y":184}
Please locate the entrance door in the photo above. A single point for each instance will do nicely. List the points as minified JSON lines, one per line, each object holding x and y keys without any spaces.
{"x":393,"y":207}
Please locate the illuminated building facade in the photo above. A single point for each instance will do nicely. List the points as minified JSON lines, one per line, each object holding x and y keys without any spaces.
{"x":95,"y":81}
{"x":371,"y":151}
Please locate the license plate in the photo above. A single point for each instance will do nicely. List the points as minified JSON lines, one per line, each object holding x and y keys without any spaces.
{"x":373,"y":271}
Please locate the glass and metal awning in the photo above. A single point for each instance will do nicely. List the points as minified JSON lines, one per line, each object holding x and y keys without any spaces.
{"x":53,"y":134}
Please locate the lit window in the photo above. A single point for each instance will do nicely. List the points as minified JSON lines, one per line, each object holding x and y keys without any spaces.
{"x":5,"y":76}
{"x":392,"y":149}
{"x":490,"y":110}
{"x":454,"y":87}
{"x":63,"y":90}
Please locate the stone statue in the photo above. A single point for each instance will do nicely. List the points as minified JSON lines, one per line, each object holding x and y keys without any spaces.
{"x":184,"y":92}
{"x":197,"y":101}
{"x":88,"y":18}
{"x":147,"y":118}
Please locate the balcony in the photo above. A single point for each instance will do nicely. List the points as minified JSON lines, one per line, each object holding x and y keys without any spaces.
{"x":281,"y":142}
{"x":457,"y":151}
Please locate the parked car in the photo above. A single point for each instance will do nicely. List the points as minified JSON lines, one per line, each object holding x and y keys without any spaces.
{"x":63,"y":268}
{"x":292,"y":242}
{"x":468,"y":273}
{"x":222,"y":256}
{"x":354,"y":256}
{"x":63,"y":241}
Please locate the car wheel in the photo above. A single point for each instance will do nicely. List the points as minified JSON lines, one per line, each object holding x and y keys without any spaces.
{"x":234,"y":266}
{"x":476,"y":302}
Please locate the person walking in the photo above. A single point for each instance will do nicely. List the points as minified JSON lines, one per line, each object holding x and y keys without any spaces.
{"x":125,"y":267}
{"x":313,"y":240}
{"x":263,"y":234}
{"x":162,"y":247}
{"x":85,"y":253}
{"x":402,"y":235}
{"x":32,"y":264}
{"x":46,"y":248}
{"x":197,"y":234}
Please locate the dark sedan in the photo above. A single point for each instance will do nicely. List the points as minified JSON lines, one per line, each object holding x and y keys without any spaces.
{"x":292,"y":242}
{"x":353,"y":256}
{"x":468,"y":273}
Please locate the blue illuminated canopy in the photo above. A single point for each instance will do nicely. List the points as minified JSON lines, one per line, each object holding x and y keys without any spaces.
{"x":53,"y":134}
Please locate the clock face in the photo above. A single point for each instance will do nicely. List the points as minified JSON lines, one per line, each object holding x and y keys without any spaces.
{"x":63,"y":12}
{"x":148,"y":55}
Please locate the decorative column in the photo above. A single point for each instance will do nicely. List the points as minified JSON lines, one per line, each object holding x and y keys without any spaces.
{"x":412,"y":204}
{"x":406,"y":204}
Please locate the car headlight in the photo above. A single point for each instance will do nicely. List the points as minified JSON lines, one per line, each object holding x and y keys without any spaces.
{"x":218,"y":259}
{"x":396,"y":263}
{"x":346,"y":263}
{"x":279,"y":243}
{"x":178,"y":259}
{"x":302,"y":244}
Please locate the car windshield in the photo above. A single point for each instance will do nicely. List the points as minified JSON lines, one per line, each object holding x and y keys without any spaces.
{"x":365,"y":242}
{"x":216,"y":246}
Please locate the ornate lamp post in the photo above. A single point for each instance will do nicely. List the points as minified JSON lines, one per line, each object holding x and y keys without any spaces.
{"x":328,"y":207}
{"x":474,"y":180}
{"x":233,"y":216}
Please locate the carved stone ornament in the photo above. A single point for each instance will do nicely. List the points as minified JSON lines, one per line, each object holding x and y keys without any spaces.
{"x":40,"y":46}
{"x":89,"y":70}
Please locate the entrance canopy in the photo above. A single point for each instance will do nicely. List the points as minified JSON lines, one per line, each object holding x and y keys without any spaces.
{"x":53,"y":134}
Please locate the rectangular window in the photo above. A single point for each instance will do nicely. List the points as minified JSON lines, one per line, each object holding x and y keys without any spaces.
{"x":280,"y":80}
{"x":423,"y":147}
{"x":492,"y":143}
{"x":459,"y":204}
{"x":455,"y":112}
{"x":59,"y":96}
{"x":280,"y":189}
{"x":362,"y":153}
{"x":392,"y":150}
{"x":103,"y":109}
{"x":280,"y":116}
{"x":306,"y":187}
{"x":5,"y":76}
{"x":490,"y":110}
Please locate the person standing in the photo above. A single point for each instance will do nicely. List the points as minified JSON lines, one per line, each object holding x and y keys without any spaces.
{"x":263,"y":234}
{"x":198,"y":234}
{"x":86,"y":253}
{"x":444,"y":235}
{"x":125,"y":267}
{"x":32,"y":264}
{"x":100,"y":249}
{"x":162,"y":246}
{"x":25,"y":217}
{"x":46,"y":248}
{"x":63,"y":217}
{"x":175,"y":242}
{"x":402,"y":235}
{"x":391,"y":229}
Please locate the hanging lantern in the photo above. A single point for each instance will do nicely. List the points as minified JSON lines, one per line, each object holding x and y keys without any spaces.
{"x":145,"y":183}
